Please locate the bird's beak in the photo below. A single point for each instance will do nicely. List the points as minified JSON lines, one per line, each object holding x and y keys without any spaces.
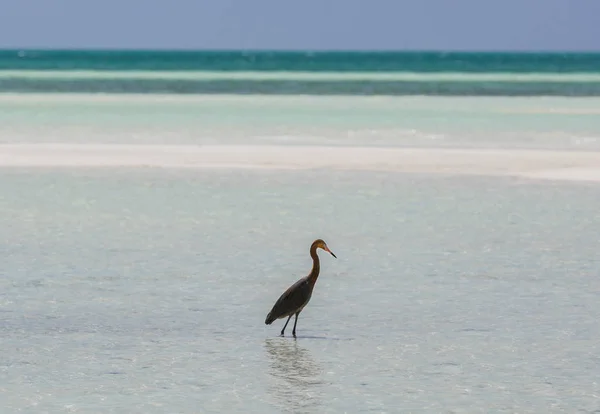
{"x":330,"y":252}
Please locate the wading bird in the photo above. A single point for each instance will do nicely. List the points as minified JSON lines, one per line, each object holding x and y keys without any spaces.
{"x":293,"y":300}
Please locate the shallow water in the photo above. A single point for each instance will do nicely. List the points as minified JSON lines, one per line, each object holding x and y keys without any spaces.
{"x":146,"y":291}
{"x":422,"y":121}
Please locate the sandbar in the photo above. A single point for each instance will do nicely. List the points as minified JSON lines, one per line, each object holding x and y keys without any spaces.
{"x":535,"y":164}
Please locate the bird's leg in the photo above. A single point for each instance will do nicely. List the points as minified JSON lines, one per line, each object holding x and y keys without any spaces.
{"x":295,"y":322}
{"x":286,"y":322}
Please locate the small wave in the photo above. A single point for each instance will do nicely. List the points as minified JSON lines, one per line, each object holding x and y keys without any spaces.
{"x":300,"y":76}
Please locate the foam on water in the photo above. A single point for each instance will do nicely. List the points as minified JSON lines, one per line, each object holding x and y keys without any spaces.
{"x":301,"y":76}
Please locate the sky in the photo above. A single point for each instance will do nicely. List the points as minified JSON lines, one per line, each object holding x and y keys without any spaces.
{"x":519,"y":25}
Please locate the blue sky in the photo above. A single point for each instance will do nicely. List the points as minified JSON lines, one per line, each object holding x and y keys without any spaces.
{"x":306,"y":24}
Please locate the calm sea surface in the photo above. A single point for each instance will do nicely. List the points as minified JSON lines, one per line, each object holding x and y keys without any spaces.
{"x":307,"y":73}
{"x":145,"y":290}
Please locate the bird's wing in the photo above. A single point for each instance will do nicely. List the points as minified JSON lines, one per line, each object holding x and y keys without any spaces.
{"x":292,"y":299}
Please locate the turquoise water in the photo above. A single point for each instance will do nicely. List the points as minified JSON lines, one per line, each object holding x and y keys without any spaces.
{"x":407,"y":121}
{"x":302,"y":61}
{"x":145,"y":289}
{"x":318,"y":73}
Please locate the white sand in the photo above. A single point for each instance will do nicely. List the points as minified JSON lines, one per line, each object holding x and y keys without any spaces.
{"x":537,"y":164}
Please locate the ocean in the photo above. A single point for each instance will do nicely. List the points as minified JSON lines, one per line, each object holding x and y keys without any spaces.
{"x":154,"y":205}
{"x":305,"y":73}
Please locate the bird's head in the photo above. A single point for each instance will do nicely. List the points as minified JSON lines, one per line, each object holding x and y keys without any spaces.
{"x":320,"y":244}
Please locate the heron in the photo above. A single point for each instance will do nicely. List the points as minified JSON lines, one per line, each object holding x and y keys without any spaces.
{"x":297,"y":296}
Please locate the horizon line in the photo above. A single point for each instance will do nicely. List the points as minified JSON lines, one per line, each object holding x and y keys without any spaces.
{"x":297,"y":50}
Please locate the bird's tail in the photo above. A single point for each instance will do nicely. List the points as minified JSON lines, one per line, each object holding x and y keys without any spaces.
{"x":269,"y":319}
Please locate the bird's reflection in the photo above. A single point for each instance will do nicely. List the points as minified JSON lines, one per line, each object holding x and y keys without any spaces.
{"x":296,"y":375}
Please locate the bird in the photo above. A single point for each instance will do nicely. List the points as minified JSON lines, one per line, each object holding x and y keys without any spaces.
{"x":297,"y":296}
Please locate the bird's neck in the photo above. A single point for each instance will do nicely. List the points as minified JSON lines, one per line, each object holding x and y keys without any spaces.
{"x":316,"y":268}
